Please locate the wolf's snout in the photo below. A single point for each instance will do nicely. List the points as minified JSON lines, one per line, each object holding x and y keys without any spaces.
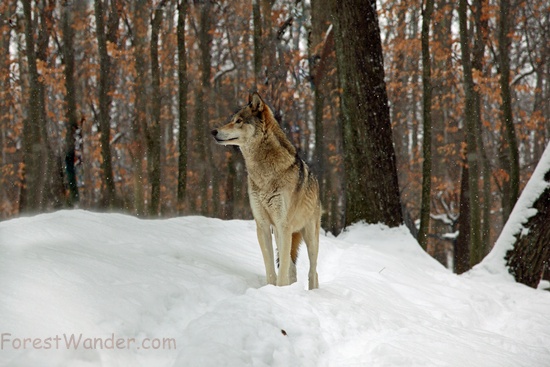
{"x":214,"y":132}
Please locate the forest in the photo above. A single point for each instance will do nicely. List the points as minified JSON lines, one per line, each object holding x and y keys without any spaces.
{"x":107,"y":105}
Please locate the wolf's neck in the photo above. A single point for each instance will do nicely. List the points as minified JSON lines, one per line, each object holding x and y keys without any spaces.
{"x":270,"y":157}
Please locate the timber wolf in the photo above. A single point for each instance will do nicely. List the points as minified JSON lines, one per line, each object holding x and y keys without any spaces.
{"x":283,"y":193}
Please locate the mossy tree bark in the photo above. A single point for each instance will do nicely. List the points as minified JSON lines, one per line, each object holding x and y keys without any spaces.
{"x":372,"y":191}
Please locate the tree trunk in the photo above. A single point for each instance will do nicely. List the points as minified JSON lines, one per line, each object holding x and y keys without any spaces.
{"x":139,"y":123}
{"x":182,"y":106}
{"x":53,"y":180}
{"x":471,"y":138}
{"x":529,"y":255}
{"x":319,"y":57}
{"x":7,"y":8}
{"x":257,"y":38}
{"x":427,"y":126}
{"x":34,"y":146}
{"x":510,"y":148}
{"x":153,"y":130}
{"x":208,"y":179}
{"x":371,"y":178}
{"x":462,"y":243}
{"x":70,"y":99}
{"x":108,"y":187}
{"x":268,"y":53}
{"x":481,"y":28}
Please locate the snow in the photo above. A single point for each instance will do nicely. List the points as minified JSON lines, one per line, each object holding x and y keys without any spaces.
{"x":494,"y":263}
{"x":198,"y":283}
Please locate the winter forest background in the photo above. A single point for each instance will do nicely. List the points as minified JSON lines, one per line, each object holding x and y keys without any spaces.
{"x":108,"y":104}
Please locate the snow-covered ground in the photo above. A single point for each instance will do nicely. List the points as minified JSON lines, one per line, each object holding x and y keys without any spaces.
{"x":190,"y":292}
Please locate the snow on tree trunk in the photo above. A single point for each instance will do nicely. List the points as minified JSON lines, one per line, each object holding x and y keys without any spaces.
{"x":523,"y":247}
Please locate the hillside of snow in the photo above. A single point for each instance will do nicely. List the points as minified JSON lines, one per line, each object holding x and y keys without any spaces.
{"x":87,"y":289}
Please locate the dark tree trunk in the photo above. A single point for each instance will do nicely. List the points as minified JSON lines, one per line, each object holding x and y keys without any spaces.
{"x":510,"y":148}
{"x":108,"y":187}
{"x":372,"y":190}
{"x":139,"y":124}
{"x":530,"y":255}
{"x":481,"y":28}
{"x":6,"y":11}
{"x":208,"y":179}
{"x":257,"y":38}
{"x":462,"y":243}
{"x":70,"y":99}
{"x":153,"y":130}
{"x":471,"y":138}
{"x":427,"y":125}
{"x":182,"y":106}
{"x":319,"y":54}
{"x":34,"y":145}
{"x":53,"y":179}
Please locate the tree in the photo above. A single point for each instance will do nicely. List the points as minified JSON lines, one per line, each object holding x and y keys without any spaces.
{"x":522,"y":246}
{"x":319,"y":68}
{"x":139,"y":122}
{"x":34,"y":144}
{"x":257,"y":39}
{"x":109,"y":192}
{"x":530,"y":256}
{"x":153,"y":130}
{"x":427,"y":128}
{"x":70,"y":99}
{"x":182,"y":105}
{"x":471,"y":116}
{"x":6,"y":10}
{"x":201,"y":110}
{"x":372,"y":190}
{"x":461,"y":248}
{"x":481,"y":29}
{"x":510,"y":148}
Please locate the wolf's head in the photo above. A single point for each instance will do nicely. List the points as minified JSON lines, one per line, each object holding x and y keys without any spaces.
{"x":245,"y":124}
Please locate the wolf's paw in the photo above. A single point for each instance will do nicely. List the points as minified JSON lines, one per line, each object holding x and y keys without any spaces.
{"x":271,"y":279}
{"x":282,"y":281}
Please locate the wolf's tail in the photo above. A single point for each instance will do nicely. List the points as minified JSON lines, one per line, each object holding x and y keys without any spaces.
{"x":296,"y":240}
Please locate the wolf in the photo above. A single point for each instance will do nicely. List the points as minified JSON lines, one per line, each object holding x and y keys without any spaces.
{"x":283,"y":193}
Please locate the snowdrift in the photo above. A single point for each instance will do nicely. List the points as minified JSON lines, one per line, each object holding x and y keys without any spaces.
{"x":86,"y":289}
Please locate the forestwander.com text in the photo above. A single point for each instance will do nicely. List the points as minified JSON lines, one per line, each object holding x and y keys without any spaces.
{"x":80,"y":341}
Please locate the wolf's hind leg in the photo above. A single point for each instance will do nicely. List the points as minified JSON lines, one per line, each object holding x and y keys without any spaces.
{"x":311,"y":237}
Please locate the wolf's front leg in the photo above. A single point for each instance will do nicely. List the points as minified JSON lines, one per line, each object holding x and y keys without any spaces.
{"x":263,"y":231}
{"x":283,"y":238}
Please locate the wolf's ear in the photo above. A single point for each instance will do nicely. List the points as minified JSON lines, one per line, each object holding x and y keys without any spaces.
{"x":256,"y":102}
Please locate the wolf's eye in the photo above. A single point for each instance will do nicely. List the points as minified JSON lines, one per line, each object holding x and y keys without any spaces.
{"x":239,"y":121}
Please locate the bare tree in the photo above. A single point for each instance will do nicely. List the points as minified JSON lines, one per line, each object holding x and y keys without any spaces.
{"x":182,"y":105}
{"x":109,"y":193}
{"x":139,"y":123}
{"x":471,"y":138}
{"x":70,"y":99}
{"x":34,"y":144}
{"x":153,"y":130}
{"x":427,"y":125}
{"x":509,"y":150}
